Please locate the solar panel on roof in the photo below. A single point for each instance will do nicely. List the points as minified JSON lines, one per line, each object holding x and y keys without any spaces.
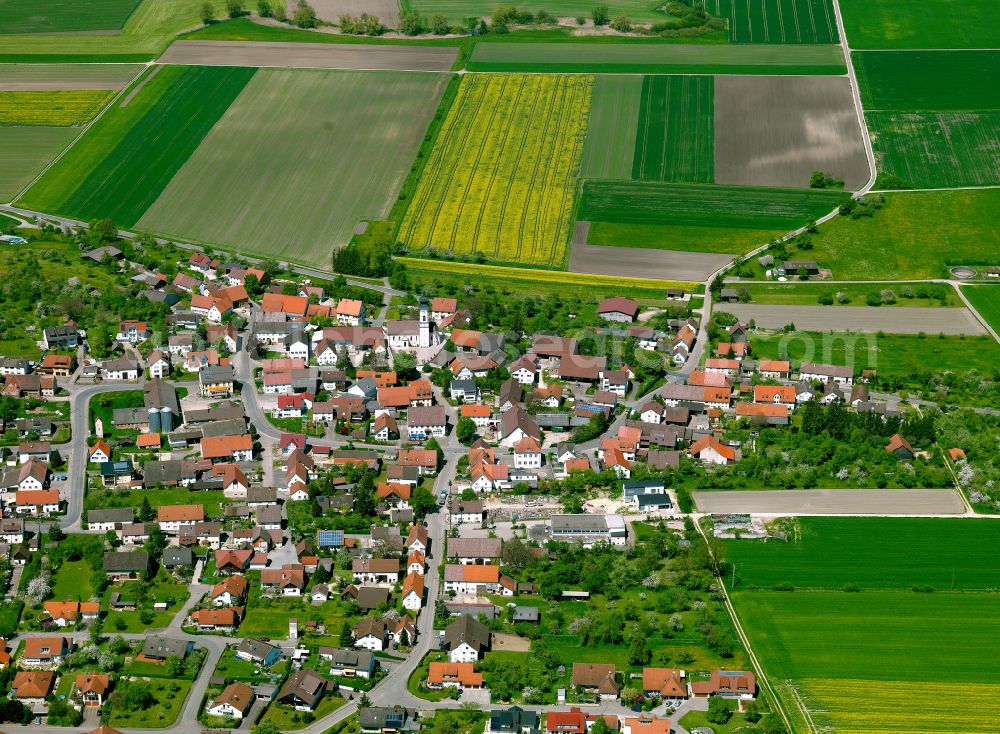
{"x":330,"y":538}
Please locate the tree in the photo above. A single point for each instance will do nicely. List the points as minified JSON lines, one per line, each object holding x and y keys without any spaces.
{"x":55,"y":533}
{"x":264,"y":11}
{"x":422,"y":501}
{"x":364,"y":495}
{"x":267,"y":727}
{"x":235,"y":8}
{"x":138,"y":697}
{"x":440,"y":25}
{"x":207,"y":13}
{"x":250,"y":281}
{"x":638,"y":650}
{"x":346,"y":636}
{"x":38,"y":589}
{"x":404,"y":638}
{"x":146,"y":512}
{"x":102,"y":232}
{"x":304,"y":16}
{"x":175,"y":666}
{"x":600,"y":15}
{"x":465,"y":431}
{"x":364,"y":702}
{"x":515,"y":555}
{"x":719,"y":710}
{"x":410,"y":23}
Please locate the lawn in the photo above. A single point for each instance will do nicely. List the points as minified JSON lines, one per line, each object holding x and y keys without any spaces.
{"x":614,"y":118}
{"x":908,"y":24}
{"x":264,"y":181}
{"x":501,"y":178}
{"x":211,"y":499}
{"x":610,"y":58}
{"x":807,"y":294}
{"x":234,"y":668}
{"x":541,"y":282}
{"x":935,"y":149}
{"x":676,"y":128}
{"x":680,"y":237}
{"x":863,"y":661}
{"x":132,"y":172}
{"x":986,"y":301}
{"x":148,"y":30}
{"x":874,"y":553}
{"x":913,"y":236}
{"x":777,"y":21}
{"x":893,"y":355}
{"x":25,"y":151}
{"x":169,"y":695}
{"x":64,"y":108}
{"x":741,"y":207}
{"x":929,"y":80}
{"x":72,"y":581}
{"x":288,"y":719}
{"x":61,"y":16}
{"x":104,"y":406}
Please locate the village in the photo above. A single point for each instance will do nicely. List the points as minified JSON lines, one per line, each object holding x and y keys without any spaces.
{"x":320,"y":509}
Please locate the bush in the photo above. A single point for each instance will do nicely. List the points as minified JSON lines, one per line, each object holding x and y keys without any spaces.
{"x":600,"y":15}
{"x":622,"y":23}
{"x":783,"y":586}
{"x":719,"y":711}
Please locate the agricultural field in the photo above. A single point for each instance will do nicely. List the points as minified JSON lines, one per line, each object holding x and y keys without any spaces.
{"x":662,"y":58}
{"x":56,"y":108}
{"x":734,"y":240}
{"x":872,"y":24}
{"x":49,"y":77}
{"x":148,"y":30}
{"x":892,"y":355}
{"x":881,"y":671}
{"x":59,"y":16}
{"x":642,"y":202}
{"x":776,"y":21}
{"x":913,"y":236}
{"x":121,"y":165}
{"x":936,"y":149}
{"x":777,"y":130}
{"x":929,"y":80}
{"x":881,"y":674}
{"x":873,"y":553}
{"x":614,"y":118}
{"x":675,"y":131}
{"x":501,"y":178}
{"x":543,"y":282}
{"x":986,"y":300}
{"x":861,"y":318}
{"x":25,"y":151}
{"x":263,"y":179}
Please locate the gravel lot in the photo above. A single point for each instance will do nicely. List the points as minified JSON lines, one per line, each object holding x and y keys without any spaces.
{"x":777,"y":130}
{"x":834,"y":502}
{"x":310,"y":56}
{"x":891,"y":319}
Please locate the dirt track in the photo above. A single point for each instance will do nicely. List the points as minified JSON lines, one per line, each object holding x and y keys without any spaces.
{"x":777,"y":130}
{"x":309,"y":56}
{"x":889,"y":319}
{"x":834,"y":502}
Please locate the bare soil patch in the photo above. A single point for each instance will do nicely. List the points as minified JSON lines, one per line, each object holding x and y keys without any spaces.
{"x":636,"y":262}
{"x":510,"y":643}
{"x":902,"y":320}
{"x":331,"y":10}
{"x":309,"y":56}
{"x":55,"y":77}
{"x":834,"y":502}
{"x":777,"y":130}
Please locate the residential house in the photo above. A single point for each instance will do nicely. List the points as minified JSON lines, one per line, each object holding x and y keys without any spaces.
{"x":464,"y":578}
{"x":466,"y":640}
{"x":738,"y":684}
{"x":349,"y":663}
{"x":370,"y":633}
{"x":303,"y":690}
{"x":597,"y":678}
{"x":126,"y":564}
{"x":623,"y":310}
{"x":235,"y":701}
{"x":453,"y":675}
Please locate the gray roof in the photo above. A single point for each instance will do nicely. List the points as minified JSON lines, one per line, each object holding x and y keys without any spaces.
{"x":132,"y":561}
{"x":256,"y":648}
{"x":348,"y":657}
{"x":525,"y":614}
{"x":474,"y":547}
{"x":467,"y":630}
{"x":161,"y":648}
{"x":177,"y":557}
{"x":115,"y":514}
{"x":383,"y":717}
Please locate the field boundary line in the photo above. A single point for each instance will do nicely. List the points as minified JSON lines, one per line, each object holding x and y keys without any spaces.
{"x":856,"y":93}
{"x":942,"y":188}
{"x":803,"y":709}
{"x":83,"y":130}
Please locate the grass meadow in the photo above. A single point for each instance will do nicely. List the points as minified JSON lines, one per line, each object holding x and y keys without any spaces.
{"x":458,"y":11}
{"x":62,"y":108}
{"x":124,"y":161}
{"x":501,"y":178}
{"x":541,"y":282}
{"x":986,"y":300}
{"x":936,"y":149}
{"x":646,"y":58}
{"x":874,"y":553}
{"x":25,"y":151}
{"x":733,"y":240}
{"x":59,"y":16}
{"x":256,"y":184}
{"x":913,"y":236}
{"x":929,"y":80}
{"x":742,"y":207}
{"x":892,"y":355}
{"x":675,"y":132}
{"x":872,"y":24}
{"x":614,"y":119}
{"x":776,"y":21}
{"x":792,"y":293}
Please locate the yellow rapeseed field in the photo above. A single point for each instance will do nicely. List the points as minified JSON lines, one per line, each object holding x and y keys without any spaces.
{"x":501,"y":177}
{"x":898,"y":707}
{"x":63,"y":108}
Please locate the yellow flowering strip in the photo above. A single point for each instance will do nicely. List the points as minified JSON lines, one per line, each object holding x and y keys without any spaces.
{"x":55,"y":109}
